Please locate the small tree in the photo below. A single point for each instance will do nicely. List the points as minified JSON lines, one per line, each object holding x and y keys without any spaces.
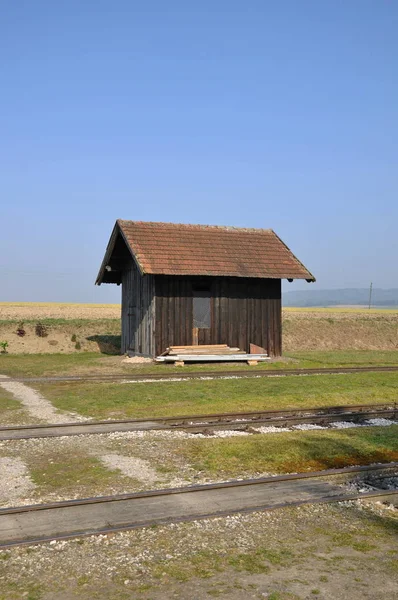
{"x":4,"y":346}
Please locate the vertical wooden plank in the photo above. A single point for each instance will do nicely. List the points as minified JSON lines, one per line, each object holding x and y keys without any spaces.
{"x":242,"y":316}
{"x":224,"y":325}
{"x":171,"y":324}
{"x":278,"y":319}
{"x":124,"y":312}
{"x":266,"y":319}
{"x":189,"y":313}
{"x":249,"y":314}
{"x":158,"y":314}
{"x":215,"y":315}
{"x":230,"y":312}
{"x":165,"y":313}
{"x":183,"y":312}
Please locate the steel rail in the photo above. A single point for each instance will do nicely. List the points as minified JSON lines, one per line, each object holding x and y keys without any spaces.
{"x":54,"y":506}
{"x":202,"y":487}
{"x":252,"y":373}
{"x":236,"y":421}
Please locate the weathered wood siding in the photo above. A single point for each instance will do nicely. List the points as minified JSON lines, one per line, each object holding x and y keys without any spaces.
{"x":243,"y":311}
{"x":173,"y":312}
{"x":138,"y":311}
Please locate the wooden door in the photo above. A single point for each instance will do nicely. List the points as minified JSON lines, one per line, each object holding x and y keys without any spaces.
{"x":201,"y":316}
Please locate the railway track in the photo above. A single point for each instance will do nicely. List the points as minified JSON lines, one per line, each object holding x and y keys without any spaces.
{"x":102,"y":515}
{"x":209,"y":422}
{"x":187,"y":375}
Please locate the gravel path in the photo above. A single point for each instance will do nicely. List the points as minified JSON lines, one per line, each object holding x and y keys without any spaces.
{"x":131,"y":467}
{"x":15,"y":482}
{"x":37,"y":406}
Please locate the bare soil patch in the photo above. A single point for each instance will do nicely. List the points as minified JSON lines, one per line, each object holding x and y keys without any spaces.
{"x":66,"y":336}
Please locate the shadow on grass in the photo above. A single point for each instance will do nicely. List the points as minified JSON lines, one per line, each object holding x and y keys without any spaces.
{"x":107,"y":344}
{"x":318,"y":452}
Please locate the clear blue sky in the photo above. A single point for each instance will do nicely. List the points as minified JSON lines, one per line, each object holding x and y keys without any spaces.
{"x":279,"y":114}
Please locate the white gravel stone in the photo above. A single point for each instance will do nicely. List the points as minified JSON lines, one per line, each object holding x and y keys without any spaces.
{"x":136,"y":360}
{"x":307,"y":427}
{"x":272,"y":429}
{"x":131,"y":467}
{"x":380,"y":422}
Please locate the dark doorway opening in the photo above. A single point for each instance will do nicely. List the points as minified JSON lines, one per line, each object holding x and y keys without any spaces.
{"x":201,"y":315}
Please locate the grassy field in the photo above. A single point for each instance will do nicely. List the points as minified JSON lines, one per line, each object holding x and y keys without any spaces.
{"x":108,"y":400}
{"x":353,"y":310}
{"x":94,"y":363}
{"x":292,"y":452}
{"x":97,"y":328}
{"x":10,"y":409}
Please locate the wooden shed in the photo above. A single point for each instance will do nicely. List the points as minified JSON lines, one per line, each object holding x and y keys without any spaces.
{"x":197,"y":284}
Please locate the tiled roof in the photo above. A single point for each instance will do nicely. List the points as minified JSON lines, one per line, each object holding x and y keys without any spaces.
{"x":175,"y":249}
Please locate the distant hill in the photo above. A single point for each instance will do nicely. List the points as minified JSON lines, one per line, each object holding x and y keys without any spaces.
{"x":348,"y":296}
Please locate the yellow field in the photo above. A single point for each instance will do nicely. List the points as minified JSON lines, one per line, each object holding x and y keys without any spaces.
{"x":26,"y":311}
{"x":57,"y":310}
{"x":340,"y":309}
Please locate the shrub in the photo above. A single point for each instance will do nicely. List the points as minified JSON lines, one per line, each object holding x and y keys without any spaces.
{"x":21,"y":329}
{"x":78,"y":346}
{"x":73,"y":338}
{"x":4,"y":346}
{"x":41,"y":330}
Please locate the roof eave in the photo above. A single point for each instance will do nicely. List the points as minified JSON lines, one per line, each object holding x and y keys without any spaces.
{"x":108,"y":254}
{"x":133,"y":254}
{"x":309,"y":277}
{"x":109,"y":250}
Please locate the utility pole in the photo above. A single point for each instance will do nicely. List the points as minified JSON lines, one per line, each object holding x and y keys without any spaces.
{"x":370,"y":295}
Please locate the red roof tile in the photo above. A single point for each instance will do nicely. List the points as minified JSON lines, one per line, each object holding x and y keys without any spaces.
{"x":175,"y":249}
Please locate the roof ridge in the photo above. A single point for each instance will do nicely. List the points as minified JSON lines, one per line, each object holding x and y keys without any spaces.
{"x":195,"y":225}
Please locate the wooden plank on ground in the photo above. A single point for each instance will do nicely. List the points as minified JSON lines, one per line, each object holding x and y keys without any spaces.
{"x":195,"y":346}
{"x":254,"y":349}
{"x":211,"y":357}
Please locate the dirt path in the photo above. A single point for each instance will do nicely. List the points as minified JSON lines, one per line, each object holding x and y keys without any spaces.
{"x":37,"y":406}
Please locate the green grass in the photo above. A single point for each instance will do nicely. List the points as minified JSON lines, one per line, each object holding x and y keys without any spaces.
{"x":99,"y":324}
{"x":36,"y":365}
{"x":105,"y":400}
{"x":7,"y":402}
{"x":11,"y":411}
{"x":59,"y":473}
{"x":292,"y":452}
{"x":345,"y":358}
{"x":92,"y":362}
